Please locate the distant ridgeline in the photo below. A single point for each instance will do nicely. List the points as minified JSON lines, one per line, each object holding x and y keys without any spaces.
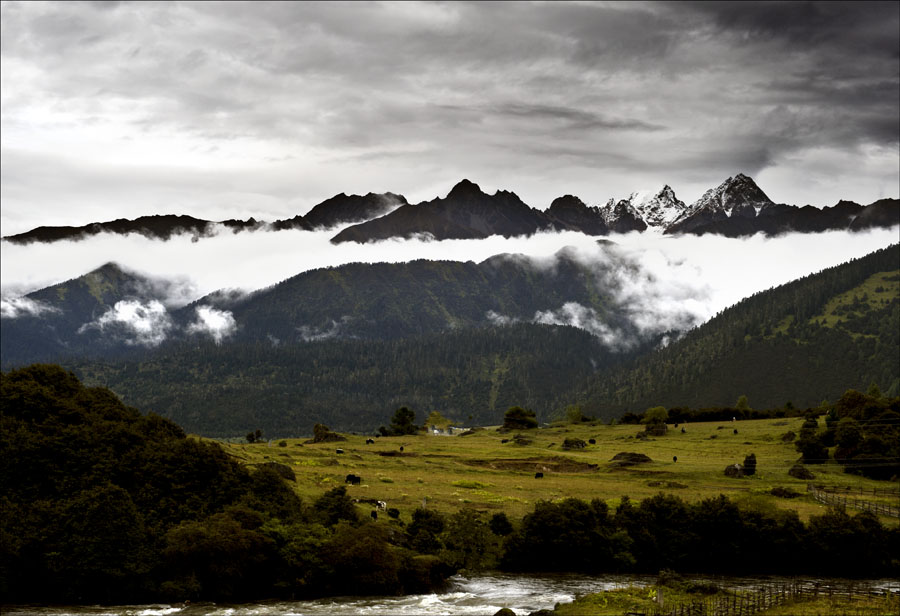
{"x":810,"y":339}
{"x":737,"y":207}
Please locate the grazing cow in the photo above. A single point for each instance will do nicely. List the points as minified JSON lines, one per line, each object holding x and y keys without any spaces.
{"x":504,"y":441}
{"x":370,"y":441}
{"x":592,"y":441}
{"x":381,"y":505}
{"x":539,"y":475}
{"x":338,"y":451}
{"x":683,"y":430}
{"x":374,"y":515}
{"x":735,"y":430}
{"x":674,"y":458}
{"x":401,"y":447}
{"x":353,"y":480}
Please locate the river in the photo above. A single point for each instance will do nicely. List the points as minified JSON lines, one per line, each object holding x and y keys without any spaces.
{"x":483,"y":594}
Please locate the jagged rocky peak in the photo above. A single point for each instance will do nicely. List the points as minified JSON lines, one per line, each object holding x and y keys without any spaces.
{"x":344,"y":208}
{"x":465,"y":189}
{"x":647,"y":209}
{"x":567,"y":202}
{"x":658,"y":210}
{"x":738,"y":195}
{"x":621,"y":216}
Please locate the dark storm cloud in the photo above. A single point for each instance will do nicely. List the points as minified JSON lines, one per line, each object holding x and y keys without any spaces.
{"x":575,"y":119}
{"x":284,"y":104}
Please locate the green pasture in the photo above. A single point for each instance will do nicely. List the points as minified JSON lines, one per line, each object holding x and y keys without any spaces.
{"x":480,"y":471}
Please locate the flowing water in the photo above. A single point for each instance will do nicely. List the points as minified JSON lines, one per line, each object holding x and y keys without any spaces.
{"x":466,"y":595}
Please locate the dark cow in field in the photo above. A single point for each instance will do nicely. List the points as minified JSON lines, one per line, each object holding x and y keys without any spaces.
{"x":592,"y":441}
{"x":374,"y":515}
{"x":735,"y":430}
{"x":338,"y":451}
{"x":370,"y":441}
{"x":401,"y":448}
{"x":539,"y":475}
{"x":353,"y":480}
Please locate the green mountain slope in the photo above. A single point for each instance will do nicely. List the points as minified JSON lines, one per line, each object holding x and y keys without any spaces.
{"x":471,"y":376}
{"x":65,"y":322}
{"x":394,"y":300}
{"x":811,"y":339}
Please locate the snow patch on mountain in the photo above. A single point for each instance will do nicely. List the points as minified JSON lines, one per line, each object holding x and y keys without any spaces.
{"x":738,"y":195}
{"x":656,"y":209}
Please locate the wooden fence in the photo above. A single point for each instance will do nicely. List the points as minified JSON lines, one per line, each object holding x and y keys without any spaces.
{"x":828,"y":496}
{"x":754,"y":601}
{"x":861,"y":491}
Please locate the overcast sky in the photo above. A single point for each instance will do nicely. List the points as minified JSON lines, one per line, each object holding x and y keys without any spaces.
{"x":235,"y":110}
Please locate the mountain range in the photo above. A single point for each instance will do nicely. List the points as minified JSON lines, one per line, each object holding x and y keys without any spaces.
{"x":737,"y":207}
{"x":347,"y":345}
{"x":111,"y":312}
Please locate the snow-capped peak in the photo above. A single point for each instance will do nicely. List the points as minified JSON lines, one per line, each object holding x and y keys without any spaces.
{"x":737,"y":195}
{"x":656,"y":209}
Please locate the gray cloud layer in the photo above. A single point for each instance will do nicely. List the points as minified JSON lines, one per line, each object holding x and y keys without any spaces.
{"x":235,"y":109}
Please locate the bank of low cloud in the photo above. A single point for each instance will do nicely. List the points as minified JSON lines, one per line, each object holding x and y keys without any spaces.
{"x":663,"y":282}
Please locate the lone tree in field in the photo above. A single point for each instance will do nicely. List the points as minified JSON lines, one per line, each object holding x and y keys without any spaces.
{"x":574,"y":414}
{"x":810,"y":442}
{"x":655,"y":420}
{"x":750,"y":464}
{"x":517,"y":418}
{"x":404,"y":422}
{"x":655,"y":415}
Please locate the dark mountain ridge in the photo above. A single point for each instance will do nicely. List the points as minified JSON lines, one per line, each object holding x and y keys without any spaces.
{"x":109,"y":311}
{"x":465,"y":213}
{"x":737,"y":207}
{"x":337,"y":210}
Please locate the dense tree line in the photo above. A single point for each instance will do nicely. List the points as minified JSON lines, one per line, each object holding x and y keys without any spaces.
{"x":470,"y":376}
{"x":767,"y":345}
{"x":862,"y":429}
{"x":714,"y":535}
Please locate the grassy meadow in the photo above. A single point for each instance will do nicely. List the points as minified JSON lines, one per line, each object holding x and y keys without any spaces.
{"x":482,"y":472}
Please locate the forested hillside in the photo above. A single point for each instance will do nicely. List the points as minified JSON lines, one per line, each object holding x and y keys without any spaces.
{"x":811,"y":339}
{"x":471,"y":376}
{"x":103,"y":504}
{"x":111,"y":313}
{"x":393,"y":300}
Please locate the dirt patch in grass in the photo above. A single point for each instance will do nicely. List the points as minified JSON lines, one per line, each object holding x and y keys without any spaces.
{"x":627,"y":458}
{"x":552,"y":465}
{"x":666,"y":484}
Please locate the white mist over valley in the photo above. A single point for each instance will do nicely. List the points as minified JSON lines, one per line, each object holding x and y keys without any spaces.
{"x":668,"y":283}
